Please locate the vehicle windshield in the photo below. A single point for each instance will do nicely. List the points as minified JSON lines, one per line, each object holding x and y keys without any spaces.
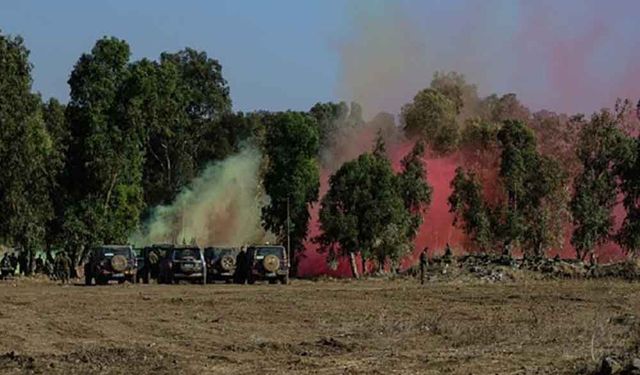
{"x":180,"y":254}
{"x":264,"y":251}
{"x":214,"y":252}
{"x":113,"y":251}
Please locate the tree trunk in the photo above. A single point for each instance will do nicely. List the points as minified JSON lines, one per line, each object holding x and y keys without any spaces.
{"x":354,"y":266}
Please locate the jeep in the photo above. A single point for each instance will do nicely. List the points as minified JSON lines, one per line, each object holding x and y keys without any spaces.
{"x":111,"y":262}
{"x":221,"y":263}
{"x":269,"y":263}
{"x":184,"y":262}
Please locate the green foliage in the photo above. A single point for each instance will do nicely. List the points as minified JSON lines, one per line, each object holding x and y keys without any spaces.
{"x":25,"y":150}
{"x":371,"y":211}
{"x":413,"y":187}
{"x":331,"y":117}
{"x":58,"y":129}
{"x":604,"y":151}
{"x":533,"y":205}
{"x":106,"y":150}
{"x":468,"y":205}
{"x":432,"y":116}
{"x":291,"y":177}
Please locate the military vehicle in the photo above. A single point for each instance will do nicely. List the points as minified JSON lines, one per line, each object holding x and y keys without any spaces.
{"x":152,"y":256}
{"x":221,"y":263}
{"x":111,"y":262}
{"x":183,"y":262}
{"x":7,"y":266}
{"x":266,"y":262}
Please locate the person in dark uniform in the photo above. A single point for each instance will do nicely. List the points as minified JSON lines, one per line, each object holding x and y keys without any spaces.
{"x":423,"y":265}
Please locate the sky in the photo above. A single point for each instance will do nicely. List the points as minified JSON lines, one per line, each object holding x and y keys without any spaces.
{"x":570,"y":55}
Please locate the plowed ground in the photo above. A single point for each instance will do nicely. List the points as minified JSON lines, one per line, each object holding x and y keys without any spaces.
{"x":323,"y":327}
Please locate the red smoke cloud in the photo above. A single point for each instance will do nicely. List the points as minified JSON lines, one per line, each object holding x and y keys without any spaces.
{"x":437,"y":228}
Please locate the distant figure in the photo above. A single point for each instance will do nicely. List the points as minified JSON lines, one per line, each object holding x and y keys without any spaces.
{"x":6,"y":266}
{"x":154,"y":262}
{"x":448,"y":254}
{"x":638,"y":110}
{"x":241,"y":273}
{"x":593,"y":260}
{"x":423,"y":265}
{"x":506,"y":250}
{"x":62,"y":267}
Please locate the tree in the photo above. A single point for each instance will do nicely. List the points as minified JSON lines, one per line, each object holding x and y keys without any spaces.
{"x":530,"y":206}
{"x":57,"y":127}
{"x":432,"y":116}
{"x":292,"y":177}
{"x":469,"y":207}
{"x":25,"y":151}
{"x":454,"y":86}
{"x":370,"y":211}
{"x":361,"y":202}
{"x":106,"y":152}
{"x":182,"y":103}
{"x":332,"y":117}
{"x":603,"y":150}
{"x":414,"y":189}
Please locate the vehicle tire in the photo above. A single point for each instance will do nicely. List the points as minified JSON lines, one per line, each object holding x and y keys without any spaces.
{"x":273,"y":281}
{"x":121,"y":281}
{"x":101,"y":280}
{"x":227,"y":281}
{"x":284,"y":280}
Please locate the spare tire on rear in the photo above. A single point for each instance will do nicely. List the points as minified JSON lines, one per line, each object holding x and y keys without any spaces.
{"x":227,"y":262}
{"x":119,"y":263}
{"x":271,"y":263}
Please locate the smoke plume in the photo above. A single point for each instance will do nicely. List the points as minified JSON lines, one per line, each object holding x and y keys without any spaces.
{"x":220,"y":207}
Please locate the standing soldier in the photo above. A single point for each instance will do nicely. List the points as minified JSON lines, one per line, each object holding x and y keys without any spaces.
{"x":423,"y":265}
{"x":153,"y":264}
{"x":62,"y":267}
{"x":69,"y":265}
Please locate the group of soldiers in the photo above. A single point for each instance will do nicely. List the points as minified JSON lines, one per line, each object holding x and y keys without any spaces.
{"x":424,"y":261}
{"x":57,"y":269}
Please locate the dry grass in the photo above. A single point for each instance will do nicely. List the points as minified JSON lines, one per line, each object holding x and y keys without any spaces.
{"x":324,"y":327}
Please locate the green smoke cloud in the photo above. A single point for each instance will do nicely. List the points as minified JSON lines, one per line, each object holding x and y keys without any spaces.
{"x":220,"y":207}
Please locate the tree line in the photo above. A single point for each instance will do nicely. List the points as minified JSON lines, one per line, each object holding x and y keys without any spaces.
{"x":134,"y":133}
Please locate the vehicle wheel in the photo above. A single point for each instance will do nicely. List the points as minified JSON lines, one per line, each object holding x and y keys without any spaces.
{"x":273,"y":281}
{"x":87,"y":279}
{"x":101,"y":280}
{"x":284,"y":280}
{"x":227,"y":281}
{"x":121,"y":281}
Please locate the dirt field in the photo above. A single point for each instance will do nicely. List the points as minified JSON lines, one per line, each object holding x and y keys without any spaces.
{"x":324,"y":327}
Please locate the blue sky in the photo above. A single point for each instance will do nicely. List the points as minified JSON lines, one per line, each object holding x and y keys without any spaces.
{"x":275,"y":55}
{"x":570,"y":55}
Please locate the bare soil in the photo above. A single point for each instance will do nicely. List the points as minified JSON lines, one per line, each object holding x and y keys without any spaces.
{"x":376,"y":326}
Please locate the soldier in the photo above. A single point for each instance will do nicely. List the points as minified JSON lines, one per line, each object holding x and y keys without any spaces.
{"x":423,"y":265}
{"x":153,"y":264}
{"x":448,"y":254}
{"x":69,"y":263}
{"x":62,"y":267}
{"x":6,"y":266}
